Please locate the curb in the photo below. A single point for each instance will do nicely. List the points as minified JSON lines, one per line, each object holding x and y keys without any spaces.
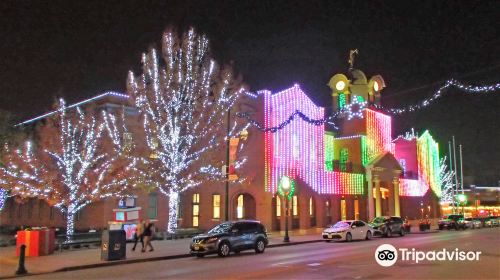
{"x":151,"y":259}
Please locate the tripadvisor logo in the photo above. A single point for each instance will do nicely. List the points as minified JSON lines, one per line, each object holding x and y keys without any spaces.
{"x":387,"y":255}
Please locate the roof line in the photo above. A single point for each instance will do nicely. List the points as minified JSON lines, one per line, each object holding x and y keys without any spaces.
{"x":112,"y":93}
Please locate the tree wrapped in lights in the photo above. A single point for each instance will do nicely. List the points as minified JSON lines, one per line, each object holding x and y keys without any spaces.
{"x":184,"y":100}
{"x":446,"y":182}
{"x":69,"y":167}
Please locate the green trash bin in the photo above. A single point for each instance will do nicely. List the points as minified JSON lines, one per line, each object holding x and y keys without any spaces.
{"x":113,"y":245}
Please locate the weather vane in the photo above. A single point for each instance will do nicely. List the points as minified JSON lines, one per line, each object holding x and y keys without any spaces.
{"x":351,"y":57}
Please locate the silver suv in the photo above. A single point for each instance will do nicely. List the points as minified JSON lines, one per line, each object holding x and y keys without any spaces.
{"x":233,"y":236}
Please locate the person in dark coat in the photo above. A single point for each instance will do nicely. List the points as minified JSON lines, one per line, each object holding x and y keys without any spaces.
{"x":148,"y":235}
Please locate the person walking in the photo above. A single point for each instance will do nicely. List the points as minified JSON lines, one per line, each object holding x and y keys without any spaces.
{"x":148,"y":234}
{"x":139,"y":235}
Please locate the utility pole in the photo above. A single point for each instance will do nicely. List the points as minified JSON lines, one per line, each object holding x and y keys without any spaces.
{"x":461,"y":171}
{"x":226,"y":204}
{"x":451,"y":168}
{"x":455,"y":165}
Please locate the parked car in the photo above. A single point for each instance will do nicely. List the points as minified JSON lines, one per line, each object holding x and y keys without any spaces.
{"x":348,"y":231}
{"x":491,"y":222}
{"x":454,"y":221}
{"x":388,"y":226}
{"x":229,"y":237}
{"x":473,"y":223}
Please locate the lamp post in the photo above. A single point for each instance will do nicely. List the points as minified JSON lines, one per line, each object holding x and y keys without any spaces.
{"x":286,"y":188}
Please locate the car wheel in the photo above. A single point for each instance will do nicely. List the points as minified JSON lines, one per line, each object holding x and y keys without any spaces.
{"x":260,"y":246}
{"x":348,"y":237}
{"x":368,"y":235}
{"x":200,"y":255}
{"x":402,"y":232}
{"x":224,"y":249}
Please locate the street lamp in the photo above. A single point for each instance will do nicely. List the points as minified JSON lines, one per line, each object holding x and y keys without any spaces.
{"x":462,"y":200}
{"x":286,"y":188}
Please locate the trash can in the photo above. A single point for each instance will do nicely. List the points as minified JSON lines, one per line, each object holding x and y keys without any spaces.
{"x":113,"y":245}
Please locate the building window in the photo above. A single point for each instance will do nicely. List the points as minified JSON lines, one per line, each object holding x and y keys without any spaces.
{"x":216,"y":206}
{"x":19,"y":210}
{"x":179,"y":208}
{"x":153,"y":206}
{"x":327,"y":207}
{"x":356,"y":209}
{"x":278,"y":206}
{"x":239,"y":207}
{"x":402,"y":162}
{"x":311,"y":207}
{"x":343,"y":210}
{"x":196,"y":209}
{"x":78,"y":215}
{"x":344,"y":157}
{"x":12,"y":207}
{"x":41,"y":205}
{"x":295,"y":210}
{"x":30,"y":208}
{"x":127,"y":142}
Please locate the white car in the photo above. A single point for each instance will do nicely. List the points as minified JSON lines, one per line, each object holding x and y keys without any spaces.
{"x":348,"y":231}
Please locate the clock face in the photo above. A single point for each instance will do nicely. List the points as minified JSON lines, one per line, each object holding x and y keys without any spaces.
{"x":376,"y":86}
{"x":340,"y":85}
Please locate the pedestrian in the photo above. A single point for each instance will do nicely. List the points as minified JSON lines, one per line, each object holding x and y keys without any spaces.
{"x":139,"y":235}
{"x":148,"y":234}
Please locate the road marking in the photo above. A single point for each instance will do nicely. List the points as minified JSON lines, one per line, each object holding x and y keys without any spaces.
{"x":314,"y":264}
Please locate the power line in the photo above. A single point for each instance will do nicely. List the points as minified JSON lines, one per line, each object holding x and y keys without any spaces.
{"x":441,"y":81}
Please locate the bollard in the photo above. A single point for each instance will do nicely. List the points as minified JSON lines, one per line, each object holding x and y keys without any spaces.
{"x":21,"y":269}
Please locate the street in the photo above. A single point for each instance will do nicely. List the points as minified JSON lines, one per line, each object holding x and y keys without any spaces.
{"x":322,"y":260}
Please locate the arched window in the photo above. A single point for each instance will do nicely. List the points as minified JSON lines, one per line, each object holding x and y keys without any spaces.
{"x":278,"y":206}
{"x":239,"y":207}
{"x":311,"y":207}
{"x":295,"y":209}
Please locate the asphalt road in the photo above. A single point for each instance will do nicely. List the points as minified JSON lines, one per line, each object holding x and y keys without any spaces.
{"x":322,"y":260}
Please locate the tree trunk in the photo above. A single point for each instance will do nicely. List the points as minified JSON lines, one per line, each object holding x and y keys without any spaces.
{"x":173,"y":204}
{"x":70,"y":225}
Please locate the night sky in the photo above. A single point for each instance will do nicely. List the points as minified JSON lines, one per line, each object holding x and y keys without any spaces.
{"x":78,"y":49}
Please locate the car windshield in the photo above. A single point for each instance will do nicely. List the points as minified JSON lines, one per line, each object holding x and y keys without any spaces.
{"x":222,"y":228}
{"x":341,"y":224}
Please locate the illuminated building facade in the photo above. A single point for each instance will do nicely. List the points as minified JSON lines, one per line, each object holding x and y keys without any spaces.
{"x":352,"y":171}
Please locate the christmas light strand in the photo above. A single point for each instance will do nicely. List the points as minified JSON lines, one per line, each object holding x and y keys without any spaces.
{"x":351,"y":113}
{"x":439,"y":93}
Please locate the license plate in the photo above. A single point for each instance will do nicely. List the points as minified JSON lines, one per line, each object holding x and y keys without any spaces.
{"x":196,"y":248}
{"x":330,"y":236}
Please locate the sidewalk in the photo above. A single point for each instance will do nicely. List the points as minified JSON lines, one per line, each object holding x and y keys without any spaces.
{"x":164,"y":249}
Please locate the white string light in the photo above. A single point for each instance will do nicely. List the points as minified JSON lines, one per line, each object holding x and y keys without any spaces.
{"x":67,"y":168}
{"x":183,"y":105}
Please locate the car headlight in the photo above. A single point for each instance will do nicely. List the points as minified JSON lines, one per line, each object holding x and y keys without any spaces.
{"x":211,"y":240}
